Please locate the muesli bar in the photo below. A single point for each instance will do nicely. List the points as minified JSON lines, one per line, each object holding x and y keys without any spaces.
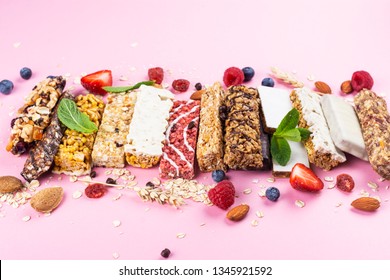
{"x":35,"y":115}
{"x":242,"y":129}
{"x":41,"y":156}
{"x":108,"y":149}
{"x":148,"y":126}
{"x":74,"y":154}
{"x":209,"y":150}
{"x":374,"y":120}
{"x":179,"y":148}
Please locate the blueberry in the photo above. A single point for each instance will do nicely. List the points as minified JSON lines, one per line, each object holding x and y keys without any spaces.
{"x":248,"y":73}
{"x":6,"y":86}
{"x":272,"y":193}
{"x":51,"y":77}
{"x":218,"y":175}
{"x":267,"y":82}
{"x":165,"y":253}
{"x":25,"y":73}
{"x":198,"y":86}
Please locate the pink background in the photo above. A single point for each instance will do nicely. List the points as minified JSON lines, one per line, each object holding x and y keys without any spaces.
{"x":196,"y":40}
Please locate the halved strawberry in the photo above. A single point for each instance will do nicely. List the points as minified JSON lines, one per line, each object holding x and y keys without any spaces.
{"x":95,"y":81}
{"x":303,"y":178}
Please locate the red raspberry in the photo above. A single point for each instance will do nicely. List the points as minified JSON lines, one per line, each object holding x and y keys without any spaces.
{"x":222,"y":195}
{"x":156,"y":74}
{"x":180,"y":85}
{"x":360,"y":80}
{"x":233,"y":76}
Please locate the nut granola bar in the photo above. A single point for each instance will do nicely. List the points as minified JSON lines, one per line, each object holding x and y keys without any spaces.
{"x":35,"y":115}
{"x":374,"y":120}
{"x":179,"y":147}
{"x":242,"y":129}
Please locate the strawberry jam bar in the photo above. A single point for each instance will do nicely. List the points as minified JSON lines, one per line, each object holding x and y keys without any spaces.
{"x":179,"y":148}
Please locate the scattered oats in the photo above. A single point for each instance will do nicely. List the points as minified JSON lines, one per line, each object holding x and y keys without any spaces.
{"x":386,"y":200}
{"x":26,"y":218}
{"x":1,"y":205}
{"x":299,"y":203}
{"x":339,"y":204}
{"x":181,"y":235}
{"x":67,"y":75}
{"x":120,"y":233}
{"x":377,"y":198}
{"x":47,"y":214}
{"x":155,"y":181}
{"x":259,"y":214}
{"x":116,"y":223}
{"x":108,"y":172}
{"x":135,"y":44}
{"x":328,"y":179}
{"x":331,"y":186}
{"x":247,"y":191}
{"x":254,"y":223}
{"x":77,"y":80}
{"x":59,"y":178}
{"x":387,"y":187}
{"x":165,"y":85}
{"x":132,"y":69}
{"x":271,"y":180}
{"x":123,"y":78}
{"x":15,"y":204}
{"x":261,"y":193}
{"x":373,"y":186}
{"x":311,"y":77}
{"x":132,"y":184}
{"x":115,"y":255}
{"x":2,"y":215}
{"x":381,"y":179}
{"x":11,"y":113}
{"x":116,"y":197}
{"x":73,"y":178}
{"x":16,"y":45}
{"x":364,"y":193}
{"x":255,"y":181}
{"x":202,"y":224}
{"x":147,"y":209}
{"x":77,"y":194}
{"x":87,"y":178}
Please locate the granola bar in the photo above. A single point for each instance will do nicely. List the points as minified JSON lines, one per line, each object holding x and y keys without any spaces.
{"x":109,"y":150}
{"x":35,"y":115}
{"x":147,"y":127}
{"x":242,"y":129}
{"x":320,"y":148}
{"x":209,"y":150}
{"x":41,"y":156}
{"x":374,"y":120}
{"x":179,"y":148}
{"x":74,"y":154}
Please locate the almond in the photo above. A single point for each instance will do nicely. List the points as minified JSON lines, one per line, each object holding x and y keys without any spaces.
{"x":366,"y":204}
{"x":47,"y":200}
{"x":346,"y":87}
{"x":322,"y":87}
{"x":10,"y":184}
{"x":238,"y":213}
{"x":197,"y":95}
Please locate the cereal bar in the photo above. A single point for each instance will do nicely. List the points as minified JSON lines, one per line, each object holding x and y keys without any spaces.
{"x":74,"y":154}
{"x":242,"y":129}
{"x":179,"y":148}
{"x":374,"y":120}
{"x":109,"y":150}
{"x":209,"y":150}
{"x":35,"y":115}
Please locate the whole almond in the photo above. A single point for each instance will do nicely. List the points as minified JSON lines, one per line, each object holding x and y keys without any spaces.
{"x":238,"y":213}
{"x":366,"y":204}
{"x":9,"y":184}
{"x":197,"y":95}
{"x":346,"y":87}
{"x":47,"y":199}
{"x":322,"y":87}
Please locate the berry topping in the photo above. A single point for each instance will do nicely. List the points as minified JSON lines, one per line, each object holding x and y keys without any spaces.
{"x":218,"y":175}
{"x":345,"y":182}
{"x":95,"y":190}
{"x":360,"y":80}
{"x":95,"y":82}
{"x":6,"y":86}
{"x":222,"y":195}
{"x":233,"y":76}
{"x":198,"y":86}
{"x":303,"y":178}
{"x":249,"y":72}
{"x":165,"y":253}
{"x":25,"y":73}
{"x":181,"y":85}
{"x":272,"y":193}
{"x":268,"y":82}
{"x":156,"y":74}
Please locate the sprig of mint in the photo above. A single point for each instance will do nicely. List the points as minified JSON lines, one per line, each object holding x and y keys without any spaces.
{"x":287,"y":130}
{"x":72,"y":118}
{"x":128,"y":88}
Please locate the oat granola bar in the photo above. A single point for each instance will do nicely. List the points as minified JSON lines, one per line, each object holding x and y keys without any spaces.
{"x":320,"y":148}
{"x":148,"y":126}
{"x":41,"y":156}
{"x":74,"y":154}
{"x":35,"y":115}
{"x":209,"y":150}
{"x":242,"y":129}
{"x":179,"y":148}
{"x":374,"y":120}
{"x":108,"y":149}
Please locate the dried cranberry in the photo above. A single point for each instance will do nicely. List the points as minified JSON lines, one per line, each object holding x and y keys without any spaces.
{"x":156,"y":74}
{"x":345,"y":182}
{"x":198,"y":86}
{"x":95,"y":190}
{"x":181,"y":85}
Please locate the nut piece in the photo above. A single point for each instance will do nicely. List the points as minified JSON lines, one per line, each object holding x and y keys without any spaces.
{"x":9,"y":184}
{"x":238,"y":213}
{"x":346,"y":87}
{"x":197,"y":95}
{"x":368,"y":204}
{"x":322,"y":87}
{"x":47,"y":200}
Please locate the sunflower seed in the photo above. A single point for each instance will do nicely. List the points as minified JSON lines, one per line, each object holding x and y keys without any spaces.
{"x":299,"y":203}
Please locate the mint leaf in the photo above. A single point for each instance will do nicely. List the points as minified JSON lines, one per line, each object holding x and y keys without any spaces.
{"x":290,"y":121}
{"x":128,"y":88}
{"x":280,"y":150}
{"x":72,"y":118}
{"x":292,"y":135}
{"x":305,"y":133}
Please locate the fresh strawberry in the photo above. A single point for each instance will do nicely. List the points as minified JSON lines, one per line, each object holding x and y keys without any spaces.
{"x":95,"y":81}
{"x":303,"y":178}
